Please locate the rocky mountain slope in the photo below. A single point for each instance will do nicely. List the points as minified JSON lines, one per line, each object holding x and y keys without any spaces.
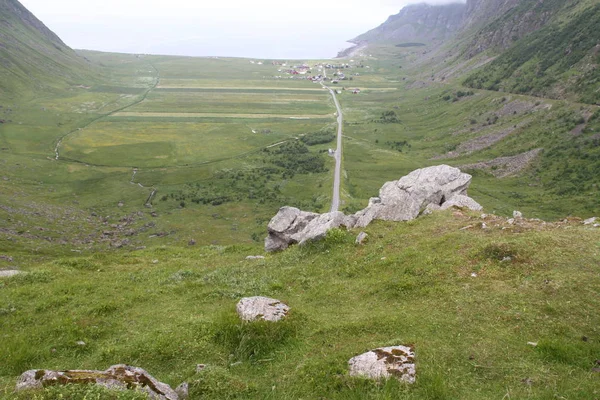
{"x":545,"y":48}
{"x":418,"y":23}
{"x":32,"y":57}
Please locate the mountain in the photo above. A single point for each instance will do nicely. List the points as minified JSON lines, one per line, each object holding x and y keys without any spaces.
{"x":544,"y":48}
{"x":418,"y":23}
{"x":32,"y":57}
{"x":559,"y":59}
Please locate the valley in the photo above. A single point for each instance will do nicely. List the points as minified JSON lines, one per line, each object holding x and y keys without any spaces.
{"x":136,"y":189}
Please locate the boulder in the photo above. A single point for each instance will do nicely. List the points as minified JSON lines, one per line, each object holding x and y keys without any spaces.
{"x":261,"y":308}
{"x":117,"y":377}
{"x":284,"y":225}
{"x":385,"y":362}
{"x":405,"y":199}
{"x":318,"y":227}
{"x":461,"y":201}
{"x":424,"y":190}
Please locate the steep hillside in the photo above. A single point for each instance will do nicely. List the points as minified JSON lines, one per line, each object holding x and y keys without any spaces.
{"x":497,"y":24}
{"x":559,"y":60}
{"x":543,"y":48}
{"x":32,"y":57}
{"x":420,"y":23}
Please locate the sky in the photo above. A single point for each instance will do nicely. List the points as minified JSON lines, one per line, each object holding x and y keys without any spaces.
{"x":237,"y":28}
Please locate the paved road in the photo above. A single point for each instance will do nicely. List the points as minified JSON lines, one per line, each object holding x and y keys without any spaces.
{"x":335,"y":199}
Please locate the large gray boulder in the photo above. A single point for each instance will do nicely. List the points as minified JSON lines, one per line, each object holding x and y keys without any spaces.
{"x":291,"y":226}
{"x":261,"y":309}
{"x":117,"y":377}
{"x":422,"y":191}
{"x":318,"y":227}
{"x":385,"y":362}
{"x":405,"y":199}
{"x":287,"y":222}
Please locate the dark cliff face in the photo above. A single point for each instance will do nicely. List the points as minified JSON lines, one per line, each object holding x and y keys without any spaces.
{"x":418,"y":23}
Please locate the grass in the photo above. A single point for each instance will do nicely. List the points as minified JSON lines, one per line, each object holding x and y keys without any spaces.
{"x":470,"y":333}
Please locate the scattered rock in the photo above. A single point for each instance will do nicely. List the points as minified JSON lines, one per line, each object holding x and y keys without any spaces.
{"x":121,"y":204}
{"x":9,"y":273}
{"x":517,"y":215}
{"x":255,"y":258}
{"x":590,"y":221}
{"x":119,"y":377}
{"x":261,"y":308}
{"x":6,"y":258}
{"x":534,"y":344}
{"x":473,"y":274}
{"x":527,"y":381}
{"x":385,"y":362}
{"x":200,"y":367}
{"x":80,"y":343}
{"x":183,"y":391}
{"x":192,"y":242}
{"x":361,"y":238}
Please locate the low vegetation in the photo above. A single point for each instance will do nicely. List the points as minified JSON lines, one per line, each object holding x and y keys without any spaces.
{"x":468,"y":300}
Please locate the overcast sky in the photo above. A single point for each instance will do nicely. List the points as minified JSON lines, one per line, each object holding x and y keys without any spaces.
{"x":242,"y":28}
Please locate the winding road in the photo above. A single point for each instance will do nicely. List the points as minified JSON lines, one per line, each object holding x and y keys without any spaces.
{"x":335,"y":199}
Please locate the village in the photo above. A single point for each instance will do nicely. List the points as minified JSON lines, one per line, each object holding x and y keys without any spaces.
{"x":317,"y":73}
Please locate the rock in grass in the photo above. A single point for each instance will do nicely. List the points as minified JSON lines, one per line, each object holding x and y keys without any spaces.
{"x":461,"y":201}
{"x":183,"y":391}
{"x":517,"y":215}
{"x":7,"y":273}
{"x":361,"y":238}
{"x":590,"y":221}
{"x":404,"y":199}
{"x":255,"y":258}
{"x":117,"y":377}
{"x":261,"y":309}
{"x":287,"y":222}
{"x":385,"y":362}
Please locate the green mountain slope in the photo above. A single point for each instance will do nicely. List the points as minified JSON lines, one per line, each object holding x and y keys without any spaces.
{"x":560,"y":60}
{"x":32,"y":57}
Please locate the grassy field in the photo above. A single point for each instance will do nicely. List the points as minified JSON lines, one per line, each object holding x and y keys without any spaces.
{"x":168,"y":308}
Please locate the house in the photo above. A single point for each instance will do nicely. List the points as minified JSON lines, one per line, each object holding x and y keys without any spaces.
{"x":356,"y":91}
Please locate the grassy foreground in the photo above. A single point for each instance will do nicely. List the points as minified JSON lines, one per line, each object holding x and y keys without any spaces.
{"x":429,"y":283}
